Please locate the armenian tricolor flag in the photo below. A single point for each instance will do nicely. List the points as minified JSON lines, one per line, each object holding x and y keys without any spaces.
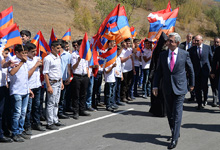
{"x":9,"y":37}
{"x":52,"y":37}
{"x":141,"y":46}
{"x":6,"y":18}
{"x":85,"y":51}
{"x":67,"y":35}
{"x":42,"y":46}
{"x":133,"y":32}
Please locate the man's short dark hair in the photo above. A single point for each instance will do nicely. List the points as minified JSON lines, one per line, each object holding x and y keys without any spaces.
{"x":136,"y":40}
{"x":25,"y":32}
{"x":128,"y":40}
{"x":110,"y":41}
{"x":79,"y":42}
{"x":30,"y":46}
{"x":19,"y":48}
{"x":56,"y":43}
{"x":6,"y":49}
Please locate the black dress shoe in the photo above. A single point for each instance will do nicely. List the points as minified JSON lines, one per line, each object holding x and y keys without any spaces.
{"x":76,"y":116}
{"x":5,"y":140}
{"x":214,"y":105}
{"x":84,"y":113}
{"x":62,"y":116}
{"x":204,"y":103}
{"x":191,"y":99}
{"x":173,"y":144}
{"x":59,"y":124}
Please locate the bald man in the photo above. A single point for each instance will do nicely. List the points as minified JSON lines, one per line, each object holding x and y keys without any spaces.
{"x":201,"y":57}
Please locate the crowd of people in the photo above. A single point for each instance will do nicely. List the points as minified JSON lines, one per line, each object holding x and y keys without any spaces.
{"x":67,"y":83}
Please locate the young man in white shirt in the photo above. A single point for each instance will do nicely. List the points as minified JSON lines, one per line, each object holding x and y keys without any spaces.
{"x":33,"y":108}
{"x":79,"y":83}
{"x":53,"y":79}
{"x":19,"y":92}
{"x":128,"y":70}
{"x":146,"y":59}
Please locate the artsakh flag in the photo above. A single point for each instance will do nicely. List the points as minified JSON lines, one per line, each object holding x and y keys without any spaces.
{"x":108,"y":58}
{"x":85,"y":51}
{"x":9,"y":37}
{"x":67,"y":35}
{"x":41,"y":44}
{"x":133,"y":32}
{"x":6,"y":18}
{"x":164,"y":20}
{"x":52,"y":37}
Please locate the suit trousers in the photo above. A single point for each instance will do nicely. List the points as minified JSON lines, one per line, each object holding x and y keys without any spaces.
{"x":201,"y":86}
{"x":125,"y":84}
{"x":174,"y":106}
{"x":79,"y":86}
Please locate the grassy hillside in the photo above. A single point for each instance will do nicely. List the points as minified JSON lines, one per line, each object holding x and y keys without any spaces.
{"x":42,"y":15}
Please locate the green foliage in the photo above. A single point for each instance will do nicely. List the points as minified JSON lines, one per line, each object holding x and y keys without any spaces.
{"x":213,"y":15}
{"x":74,"y":4}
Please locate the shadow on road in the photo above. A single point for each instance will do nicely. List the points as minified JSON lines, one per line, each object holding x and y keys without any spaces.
{"x":206,"y":127}
{"x":140,"y":138}
{"x":138,"y":113}
{"x":205,"y":110}
{"x":139,"y":103}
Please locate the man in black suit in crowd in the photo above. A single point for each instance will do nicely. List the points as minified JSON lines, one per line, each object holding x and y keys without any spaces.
{"x":172,"y":66}
{"x":214,"y":81}
{"x":201,"y":57}
{"x":188,"y":43}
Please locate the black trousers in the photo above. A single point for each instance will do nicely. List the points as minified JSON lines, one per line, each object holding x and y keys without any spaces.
{"x":214,"y":86}
{"x":79,"y":86}
{"x":125,"y":84}
{"x":174,"y":106}
{"x":201,"y":86}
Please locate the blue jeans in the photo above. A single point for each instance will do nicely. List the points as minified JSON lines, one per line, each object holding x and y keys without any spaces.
{"x":140,"y":80}
{"x":134,"y":83}
{"x":33,"y":109}
{"x":89,"y":92}
{"x":2,"y":102}
{"x":109,"y":93}
{"x":97,"y":89}
{"x":117,"y":95}
{"x":19,"y":107}
{"x":146,"y":83}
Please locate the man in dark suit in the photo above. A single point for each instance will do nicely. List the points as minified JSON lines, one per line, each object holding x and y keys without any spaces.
{"x":214,"y":81}
{"x":172,"y":66}
{"x":201,"y":57}
{"x":188,"y":43}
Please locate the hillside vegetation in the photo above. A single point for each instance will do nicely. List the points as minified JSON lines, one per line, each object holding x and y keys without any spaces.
{"x":195,"y":16}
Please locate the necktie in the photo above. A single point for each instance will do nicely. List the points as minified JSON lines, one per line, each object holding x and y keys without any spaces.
{"x":172,"y":61}
{"x":200,"y":52}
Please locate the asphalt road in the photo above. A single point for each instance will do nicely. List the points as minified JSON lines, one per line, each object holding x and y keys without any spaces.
{"x":132,"y":127}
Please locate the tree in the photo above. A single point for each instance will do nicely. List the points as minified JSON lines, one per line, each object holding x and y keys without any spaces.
{"x":213,"y":14}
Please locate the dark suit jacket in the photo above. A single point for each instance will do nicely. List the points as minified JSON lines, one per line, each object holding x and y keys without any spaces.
{"x":201,"y":65}
{"x":183,"y":45}
{"x":216,"y":61}
{"x":176,"y":80}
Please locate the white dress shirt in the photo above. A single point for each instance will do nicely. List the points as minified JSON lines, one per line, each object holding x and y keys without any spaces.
{"x":19,"y":81}
{"x":52,"y":66}
{"x":118,"y":67}
{"x":3,"y":73}
{"x":34,"y":80}
{"x":82,"y":67}
{"x":109,"y":77}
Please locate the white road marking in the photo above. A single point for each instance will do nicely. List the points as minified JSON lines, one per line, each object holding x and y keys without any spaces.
{"x":79,"y":124}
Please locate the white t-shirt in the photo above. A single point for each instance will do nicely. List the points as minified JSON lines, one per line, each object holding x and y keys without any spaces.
{"x":83,"y":64}
{"x":109,"y":77}
{"x":118,"y":68}
{"x":126,"y":66}
{"x":136,"y":61}
{"x":147,"y":53}
{"x":34,"y":80}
